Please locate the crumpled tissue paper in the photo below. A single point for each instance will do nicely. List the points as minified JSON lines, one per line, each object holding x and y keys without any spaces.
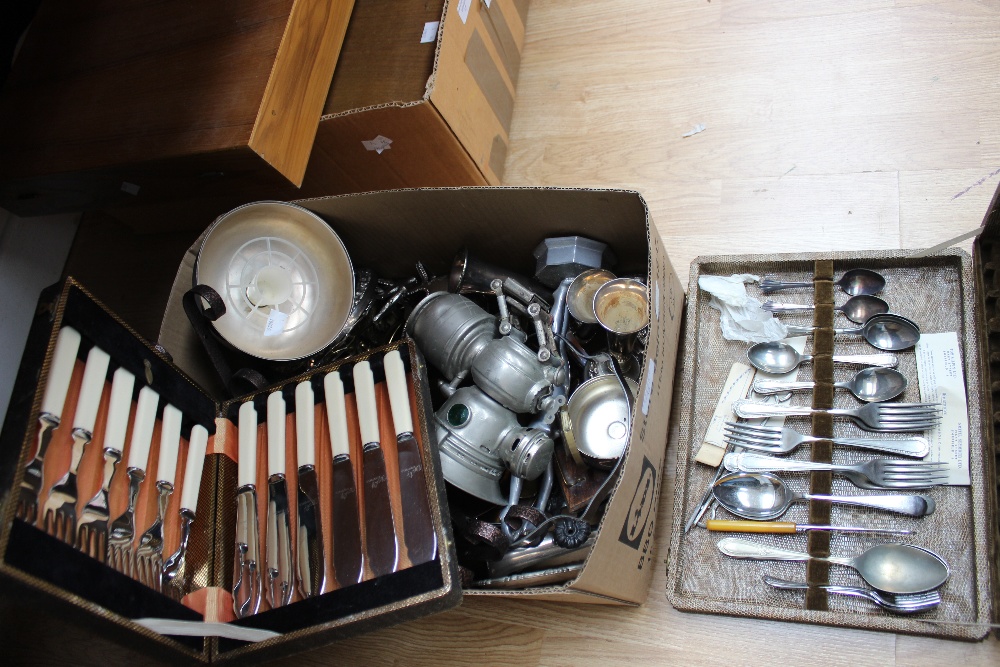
{"x":741,"y":315}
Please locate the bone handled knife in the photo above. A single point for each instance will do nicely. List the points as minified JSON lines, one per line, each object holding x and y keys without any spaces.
{"x":310,"y":559}
{"x":122,"y":385}
{"x":53,"y":400}
{"x":280,"y":580}
{"x":381,"y":547}
{"x":348,"y":561}
{"x":418,"y":529}
{"x":247,"y":584}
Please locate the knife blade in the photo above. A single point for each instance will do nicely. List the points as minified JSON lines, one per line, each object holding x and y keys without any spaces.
{"x":280,"y":580}
{"x":247,"y":586}
{"x":418,"y":528}
{"x":311,"y":562}
{"x":381,"y":547}
{"x":348,"y":561}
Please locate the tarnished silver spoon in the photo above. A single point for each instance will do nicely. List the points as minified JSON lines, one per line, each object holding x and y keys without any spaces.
{"x":853,"y":282}
{"x":869,"y":384}
{"x":779,"y":358}
{"x":886,"y":331}
{"x":856,"y":309}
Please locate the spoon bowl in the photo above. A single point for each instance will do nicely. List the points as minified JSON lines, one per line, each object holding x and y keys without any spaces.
{"x":875,"y":384}
{"x":861,"y":308}
{"x":888,"y":331}
{"x":761,"y":496}
{"x":857,"y":282}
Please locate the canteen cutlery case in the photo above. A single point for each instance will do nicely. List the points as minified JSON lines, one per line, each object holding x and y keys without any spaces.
{"x":390,"y":231}
{"x":947,"y":291}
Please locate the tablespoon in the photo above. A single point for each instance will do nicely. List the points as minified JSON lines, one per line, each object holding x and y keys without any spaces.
{"x":763,"y":496}
{"x":893,"y":568}
{"x":886,"y":331}
{"x":853,"y":282}
{"x":856,"y":309}
{"x":869,"y":384}
{"x":904,"y":603}
{"x":779,"y":358}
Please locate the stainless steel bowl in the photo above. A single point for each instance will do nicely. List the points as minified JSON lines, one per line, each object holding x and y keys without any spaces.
{"x":599,"y":418}
{"x":284,"y":275}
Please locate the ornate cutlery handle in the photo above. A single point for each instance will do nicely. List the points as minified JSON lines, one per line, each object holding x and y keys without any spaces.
{"x":794,"y":330}
{"x":915,"y":446}
{"x":747,"y":462}
{"x":786,"y":307}
{"x":886,"y":360}
{"x":768,"y":285}
{"x":750,"y":410}
{"x":766,"y":387}
{"x":739,"y":548}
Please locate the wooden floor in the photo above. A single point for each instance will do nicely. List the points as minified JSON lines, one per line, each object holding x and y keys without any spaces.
{"x":829,"y":125}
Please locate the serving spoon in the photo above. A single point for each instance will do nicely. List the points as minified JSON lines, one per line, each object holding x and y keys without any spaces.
{"x":779,"y":357}
{"x":761,"y":496}
{"x":886,"y":331}
{"x":893,"y":568}
{"x":857,"y":309}
{"x":853,"y":282}
{"x":869,"y":384}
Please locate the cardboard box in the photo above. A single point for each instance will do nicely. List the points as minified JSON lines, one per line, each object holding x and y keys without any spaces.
{"x":422,"y":96}
{"x":393,"y":230}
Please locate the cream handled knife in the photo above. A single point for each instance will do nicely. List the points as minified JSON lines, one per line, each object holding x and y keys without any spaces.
{"x":310,"y":558}
{"x":418,"y":529}
{"x":348,"y":561}
{"x":148,"y":554}
{"x":56,"y":387}
{"x":247,"y":587}
{"x":381,"y":548}
{"x":280,"y":579}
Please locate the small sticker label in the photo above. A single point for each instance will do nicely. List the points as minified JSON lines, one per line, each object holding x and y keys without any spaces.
{"x":647,"y":392}
{"x":656,"y":299}
{"x":430,"y":33}
{"x":463,"y":9}
{"x":130,"y":188}
{"x":378,"y":144}
{"x":275,"y":323}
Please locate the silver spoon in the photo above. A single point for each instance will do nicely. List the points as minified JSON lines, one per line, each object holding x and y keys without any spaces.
{"x":886,"y":331}
{"x":853,"y":282}
{"x":856,"y":309}
{"x":779,"y":358}
{"x":893,"y":568}
{"x":761,"y":496}
{"x":869,"y":384}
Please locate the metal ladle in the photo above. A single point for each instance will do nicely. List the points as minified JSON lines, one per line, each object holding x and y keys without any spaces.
{"x":856,"y":309}
{"x":886,"y":331}
{"x":869,"y":384}
{"x":761,"y":496}
{"x":779,"y":357}
{"x":893,"y":568}
{"x":853,"y":282}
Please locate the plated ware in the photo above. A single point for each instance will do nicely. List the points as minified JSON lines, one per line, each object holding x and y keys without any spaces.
{"x":872,"y":385}
{"x":175,"y":579}
{"x":246,"y":567}
{"x":348,"y":559}
{"x":904,"y":603}
{"x":871,"y":417}
{"x":148,"y":561}
{"x":874,"y":474}
{"x":886,"y":332}
{"x":790,"y":528}
{"x":280,"y":573}
{"x":779,"y":358}
{"x":311,"y":562}
{"x":853,"y":282}
{"x":781,"y":440}
{"x":856,"y":309}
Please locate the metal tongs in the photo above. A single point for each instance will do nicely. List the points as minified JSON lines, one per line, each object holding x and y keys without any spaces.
{"x":246,"y":567}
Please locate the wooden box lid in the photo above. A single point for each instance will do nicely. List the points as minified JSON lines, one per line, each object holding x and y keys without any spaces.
{"x":106,"y":83}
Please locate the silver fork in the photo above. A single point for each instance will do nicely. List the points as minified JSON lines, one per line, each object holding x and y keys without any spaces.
{"x":872,"y":417}
{"x":910,"y":603}
{"x":175,"y":576}
{"x":781,"y":440}
{"x":92,"y":530}
{"x":53,"y":400}
{"x":874,"y":474}
{"x":148,"y":561}
{"x":122,"y":530}
{"x":59,"y":511}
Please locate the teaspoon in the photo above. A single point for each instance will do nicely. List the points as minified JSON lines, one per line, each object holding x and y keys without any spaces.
{"x":853,"y":282}
{"x":869,"y":384}
{"x":779,"y":358}
{"x":893,"y":568}
{"x":857,"y":309}
{"x":886,"y":331}
{"x":762,"y":496}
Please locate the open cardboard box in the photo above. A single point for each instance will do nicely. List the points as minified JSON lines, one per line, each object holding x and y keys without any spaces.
{"x":391,"y":231}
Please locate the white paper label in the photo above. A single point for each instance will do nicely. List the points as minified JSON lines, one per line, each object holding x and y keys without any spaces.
{"x":275,"y":323}
{"x":378,"y":144}
{"x":647,"y":391}
{"x":430,"y":33}
{"x":939,"y":369}
{"x":463,"y":9}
